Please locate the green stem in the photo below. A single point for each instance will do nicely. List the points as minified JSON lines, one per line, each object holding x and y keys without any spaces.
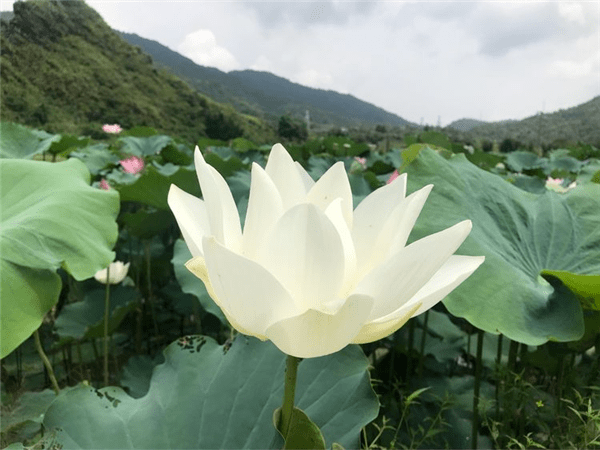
{"x":512,"y":356}
{"x":289,"y":392}
{"x":411,"y":337}
{"x":106,"y":314}
{"x":422,"y":350}
{"x":477,"y":384}
{"x":149,"y":282}
{"x":498,"y":381}
{"x":40,"y":350}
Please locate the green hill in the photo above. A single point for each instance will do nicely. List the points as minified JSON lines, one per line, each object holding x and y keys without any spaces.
{"x":465,"y":124}
{"x":580,"y":123}
{"x":63,"y":69}
{"x":265,"y":94}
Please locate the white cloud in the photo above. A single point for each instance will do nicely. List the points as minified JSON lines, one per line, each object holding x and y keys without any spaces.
{"x":571,"y":69}
{"x":202,"y":48}
{"x":314,"y":78}
{"x":573,"y":12}
{"x":263,"y":64}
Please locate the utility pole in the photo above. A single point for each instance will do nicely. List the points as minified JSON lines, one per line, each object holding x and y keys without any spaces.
{"x":307,"y":118}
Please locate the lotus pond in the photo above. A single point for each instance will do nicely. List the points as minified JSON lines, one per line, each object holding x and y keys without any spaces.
{"x":509,"y":359}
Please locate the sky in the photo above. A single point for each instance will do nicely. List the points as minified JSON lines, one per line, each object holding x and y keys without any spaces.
{"x":429,"y":62}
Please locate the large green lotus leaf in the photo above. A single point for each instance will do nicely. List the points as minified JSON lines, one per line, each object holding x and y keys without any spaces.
{"x":563,"y":163}
{"x":527,"y":183}
{"x":242,"y":145}
{"x":51,"y":217}
{"x":205,"y":397}
{"x":190,"y":283}
{"x":85,"y":319}
{"x":167,"y":169}
{"x":521,"y":234}
{"x":30,"y":407}
{"x":587,"y":287}
{"x":67,"y":143}
{"x":36,"y":292}
{"x":484,"y":160}
{"x":144,"y":146}
{"x":19,"y":142}
{"x":152,"y":187}
{"x":178,"y":154}
{"x":96,"y":157}
{"x":226,"y":164}
{"x":519,"y":161}
{"x":137,"y":374}
{"x":318,"y":165}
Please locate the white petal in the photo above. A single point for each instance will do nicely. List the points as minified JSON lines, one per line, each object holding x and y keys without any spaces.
{"x":282,"y":170}
{"x":332,"y":185}
{"x":454,"y":271}
{"x":335,"y":213}
{"x":395,"y":230}
{"x":315,"y":334}
{"x":222,"y":210}
{"x":372,"y":213}
{"x":305,"y":253}
{"x":198,"y":267}
{"x":374,"y":331}
{"x":191,"y":216}
{"x":246,"y":290}
{"x":264,"y":209}
{"x":395,"y":281}
{"x":306,"y":178}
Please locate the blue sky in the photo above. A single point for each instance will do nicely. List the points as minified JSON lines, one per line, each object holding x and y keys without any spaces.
{"x":420,"y":60}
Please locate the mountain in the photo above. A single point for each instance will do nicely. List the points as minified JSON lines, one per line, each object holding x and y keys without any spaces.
{"x":580,"y":123}
{"x":265,"y":94}
{"x":465,"y":124}
{"x":66,"y":71}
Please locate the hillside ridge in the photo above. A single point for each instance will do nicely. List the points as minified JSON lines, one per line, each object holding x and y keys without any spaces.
{"x":65,"y":70}
{"x":266,"y":94}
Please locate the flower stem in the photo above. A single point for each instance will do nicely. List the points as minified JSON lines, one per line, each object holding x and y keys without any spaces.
{"x":476,"y":387}
{"x":40,"y":350}
{"x":106,"y":314}
{"x":291,"y":370}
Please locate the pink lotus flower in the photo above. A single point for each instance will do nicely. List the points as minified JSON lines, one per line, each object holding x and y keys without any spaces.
{"x":104,"y":185}
{"x":112,"y":129}
{"x":134,"y":164}
{"x":393,"y":176}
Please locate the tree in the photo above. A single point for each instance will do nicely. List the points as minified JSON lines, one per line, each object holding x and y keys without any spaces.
{"x":292,"y":129}
{"x":220,"y":127}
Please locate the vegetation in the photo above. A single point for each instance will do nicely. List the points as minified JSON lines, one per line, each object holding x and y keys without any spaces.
{"x":291,"y":130}
{"x":64,"y":69}
{"x":72,"y":74}
{"x":552,"y":130}
{"x":427,"y":375}
{"x":446,"y":379}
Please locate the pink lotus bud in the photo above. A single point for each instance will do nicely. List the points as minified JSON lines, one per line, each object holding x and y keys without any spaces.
{"x":361,"y":161}
{"x":104,"y":185}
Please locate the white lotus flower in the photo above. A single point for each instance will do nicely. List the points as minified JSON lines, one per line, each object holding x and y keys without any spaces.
{"x":117,"y":273}
{"x":556,"y":185}
{"x":308,"y":272}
